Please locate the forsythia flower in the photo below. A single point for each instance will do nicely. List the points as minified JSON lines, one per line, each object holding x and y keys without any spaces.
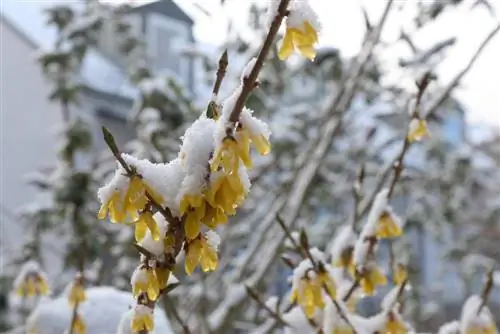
{"x":389,"y":225}
{"x":474,"y":322}
{"x":418,"y":130}
{"x":145,"y":222}
{"x":31,"y":281}
{"x":144,"y":280}
{"x":162,"y":275}
{"x":227,"y":156}
{"x":202,"y":251}
{"x":301,"y":32}
{"x":308,"y":294}
{"x":142,"y":319}
{"x":400,"y":274}
{"x":76,"y":293}
{"x":134,"y":201}
{"x":79,"y":326}
{"x":371,"y":276}
{"x":395,"y":324}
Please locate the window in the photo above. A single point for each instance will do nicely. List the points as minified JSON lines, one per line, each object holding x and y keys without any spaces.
{"x":452,"y":128}
{"x":166,"y":37}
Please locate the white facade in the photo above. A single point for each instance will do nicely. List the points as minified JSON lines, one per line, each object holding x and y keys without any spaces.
{"x":27,"y":121}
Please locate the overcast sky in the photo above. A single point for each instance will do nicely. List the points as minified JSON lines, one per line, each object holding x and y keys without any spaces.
{"x":343,"y":28}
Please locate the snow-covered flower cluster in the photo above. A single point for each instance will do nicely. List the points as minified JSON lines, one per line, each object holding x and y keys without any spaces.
{"x":177,"y":205}
{"x":31,"y":281}
{"x":302,"y":28}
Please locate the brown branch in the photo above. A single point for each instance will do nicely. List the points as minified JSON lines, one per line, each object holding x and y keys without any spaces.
{"x":351,"y":290}
{"x":488,"y":286}
{"x":173,"y":310}
{"x":221,"y":73}
{"x":340,"y":311}
{"x":271,"y":312}
{"x":250,"y":81}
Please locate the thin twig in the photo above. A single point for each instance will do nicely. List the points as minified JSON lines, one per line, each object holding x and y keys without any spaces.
{"x":271,"y":312}
{"x":434,"y":107}
{"x":185,"y":328}
{"x":221,"y":73}
{"x":251,"y":79}
{"x":488,"y":286}
{"x":340,"y":311}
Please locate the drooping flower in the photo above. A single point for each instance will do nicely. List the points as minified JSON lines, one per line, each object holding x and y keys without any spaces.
{"x":395,"y":324}
{"x":79,"y":326}
{"x":129,"y":197}
{"x":308,"y":294}
{"x":301,"y":31}
{"x":370,"y":277}
{"x":142,"y":319}
{"x":202,"y":251}
{"x":146,"y":222}
{"x":418,"y":130}
{"x":144,"y":280}
{"x":400,"y":274}
{"x":76,"y":292}
{"x":31,"y":281}
{"x":389,"y":225}
{"x":476,"y":318}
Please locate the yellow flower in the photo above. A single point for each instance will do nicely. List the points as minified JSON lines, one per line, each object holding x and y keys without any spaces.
{"x":345,"y":260}
{"x":370,"y":278}
{"x":308,"y":295}
{"x":243,"y":139}
{"x":134,"y":201}
{"x":33,"y":285}
{"x":146,"y":222}
{"x":114,"y":206}
{"x":142,"y":319}
{"x":395,"y":325}
{"x":214,"y":216}
{"x":144,"y":280}
{"x":76,"y":295}
{"x":192,"y":224}
{"x":261,"y":144}
{"x":200,"y":252}
{"x":162,"y":275}
{"x":227,"y":157}
{"x":226,"y":193}
{"x":400,"y":274}
{"x":79,"y":326}
{"x":343,"y":330}
{"x":418,"y":130}
{"x":387,"y":226}
{"x":136,"y":197}
{"x":301,"y":38}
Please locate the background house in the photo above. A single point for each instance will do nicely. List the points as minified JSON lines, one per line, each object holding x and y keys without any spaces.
{"x":29,"y":120}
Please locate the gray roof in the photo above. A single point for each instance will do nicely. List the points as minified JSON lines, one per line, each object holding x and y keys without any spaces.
{"x":166,"y":7}
{"x":98,"y":73}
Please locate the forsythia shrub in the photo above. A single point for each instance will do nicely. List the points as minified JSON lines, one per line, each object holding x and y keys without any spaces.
{"x":177,"y":206}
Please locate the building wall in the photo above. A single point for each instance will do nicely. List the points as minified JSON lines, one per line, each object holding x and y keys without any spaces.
{"x":27,"y":119}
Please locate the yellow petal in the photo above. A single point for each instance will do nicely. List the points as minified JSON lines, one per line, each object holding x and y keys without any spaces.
{"x":149,"y":323}
{"x":191,"y":225}
{"x":162,"y":274}
{"x":286,"y":49}
{"x":244,"y":148}
{"x":261,"y":144}
{"x":148,"y":219}
{"x":307,"y":51}
{"x":140,"y":230}
{"x":193,"y":256}
{"x":153,"y":285}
